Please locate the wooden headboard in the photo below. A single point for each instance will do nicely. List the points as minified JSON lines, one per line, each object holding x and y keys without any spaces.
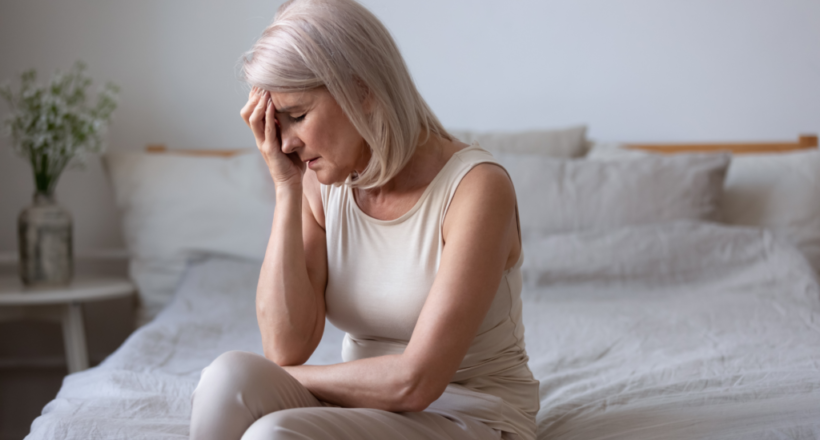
{"x":803,"y":143}
{"x":159,"y":148}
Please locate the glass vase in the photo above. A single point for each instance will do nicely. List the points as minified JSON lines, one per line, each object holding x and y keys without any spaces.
{"x":45,"y":238}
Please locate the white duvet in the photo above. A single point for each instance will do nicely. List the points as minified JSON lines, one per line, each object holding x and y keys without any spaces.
{"x":678,"y":330}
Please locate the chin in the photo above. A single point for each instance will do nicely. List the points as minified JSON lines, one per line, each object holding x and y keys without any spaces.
{"x":327,"y":178}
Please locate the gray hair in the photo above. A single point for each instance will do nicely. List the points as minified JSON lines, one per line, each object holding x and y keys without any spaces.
{"x":342,"y":46}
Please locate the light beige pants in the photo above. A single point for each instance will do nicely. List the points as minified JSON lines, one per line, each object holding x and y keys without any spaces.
{"x":244,"y":395}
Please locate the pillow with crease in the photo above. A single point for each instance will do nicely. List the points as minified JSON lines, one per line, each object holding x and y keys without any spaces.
{"x":177,"y":207}
{"x":560,"y":196}
{"x":563,"y":143}
{"x":776,"y":191}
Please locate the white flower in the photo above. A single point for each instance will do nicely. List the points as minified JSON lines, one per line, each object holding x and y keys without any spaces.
{"x":51,"y":125}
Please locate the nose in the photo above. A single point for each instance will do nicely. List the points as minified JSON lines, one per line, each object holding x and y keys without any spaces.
{"x":290,"y":142}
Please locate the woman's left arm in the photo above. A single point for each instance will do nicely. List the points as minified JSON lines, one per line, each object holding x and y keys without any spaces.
{"x":479,"y":232}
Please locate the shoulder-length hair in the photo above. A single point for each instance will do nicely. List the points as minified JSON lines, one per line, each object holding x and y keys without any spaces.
{"x":342,"y":46}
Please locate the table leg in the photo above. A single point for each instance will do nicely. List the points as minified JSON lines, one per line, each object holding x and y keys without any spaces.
{"x":74,"y":338}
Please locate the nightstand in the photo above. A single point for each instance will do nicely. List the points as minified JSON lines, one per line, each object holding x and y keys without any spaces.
{"x":62,"y":304}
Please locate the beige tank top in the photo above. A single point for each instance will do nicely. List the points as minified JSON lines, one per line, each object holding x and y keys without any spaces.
{"x":380,"y":273}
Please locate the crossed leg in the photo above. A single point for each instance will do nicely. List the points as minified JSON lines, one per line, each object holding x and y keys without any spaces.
{"x":245,"y":396}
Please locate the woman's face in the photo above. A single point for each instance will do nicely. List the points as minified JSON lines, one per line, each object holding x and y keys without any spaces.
{"x":314,"y":127}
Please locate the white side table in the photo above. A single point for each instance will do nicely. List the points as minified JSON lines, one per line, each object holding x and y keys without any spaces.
{"x":62,"y":304}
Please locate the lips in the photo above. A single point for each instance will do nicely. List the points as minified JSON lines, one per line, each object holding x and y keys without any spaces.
{"x":310,"y":162}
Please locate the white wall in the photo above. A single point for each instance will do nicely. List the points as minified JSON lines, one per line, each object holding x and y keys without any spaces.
{"x":633,"y":70}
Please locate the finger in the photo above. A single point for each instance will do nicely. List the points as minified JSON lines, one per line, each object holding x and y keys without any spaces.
{"x":294,"y":158}
{"x":257,"y":121}
{"x":271,"y":126}
{"x":248,"y":108}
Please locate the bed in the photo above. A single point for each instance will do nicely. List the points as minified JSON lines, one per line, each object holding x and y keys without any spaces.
{"x":675,"y":327}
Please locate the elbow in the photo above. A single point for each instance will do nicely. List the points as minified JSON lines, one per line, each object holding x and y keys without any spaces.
{"x":286,"y":350}
{"x":416,"y":392}
{"x":284,"y":359}
{"x":414,"y":403}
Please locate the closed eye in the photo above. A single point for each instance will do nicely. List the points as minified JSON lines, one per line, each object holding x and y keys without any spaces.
{"x":297,"y":118}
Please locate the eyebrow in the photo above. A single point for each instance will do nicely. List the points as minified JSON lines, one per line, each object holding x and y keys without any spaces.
{"x":287,"y":109}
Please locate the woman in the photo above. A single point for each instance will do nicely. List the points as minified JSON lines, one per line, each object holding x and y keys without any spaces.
{"x":402,"y":236}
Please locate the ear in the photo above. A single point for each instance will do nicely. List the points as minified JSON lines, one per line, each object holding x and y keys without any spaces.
{"x":365,"y":96}
{"x":368,"y":103}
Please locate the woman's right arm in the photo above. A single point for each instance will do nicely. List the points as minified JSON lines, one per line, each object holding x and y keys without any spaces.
{"x":290,"y":305}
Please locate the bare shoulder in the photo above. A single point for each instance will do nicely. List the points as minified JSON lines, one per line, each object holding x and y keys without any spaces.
{"x":486,"y":182}
{"x":484,"y":206}
{"x":486,"y":190}
{"x":312,"y":190}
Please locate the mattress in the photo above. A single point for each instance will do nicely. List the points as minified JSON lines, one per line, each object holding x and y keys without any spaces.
{"x":674,"y":330}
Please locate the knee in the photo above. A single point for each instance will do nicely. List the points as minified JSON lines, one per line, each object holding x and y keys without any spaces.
{"x":234,"y":370}
{"x":232,"y":361}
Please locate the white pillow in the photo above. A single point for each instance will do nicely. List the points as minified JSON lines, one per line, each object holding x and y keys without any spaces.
{"x":176,"y":207}
{"x":777,"y":191}
{"x":559,"y":196}
{"x":680,"y":252}
{"x":614,"y":150}
{"x":565,"y":143}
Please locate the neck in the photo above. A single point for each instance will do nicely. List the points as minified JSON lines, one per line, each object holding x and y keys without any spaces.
{"x":422,"y":167}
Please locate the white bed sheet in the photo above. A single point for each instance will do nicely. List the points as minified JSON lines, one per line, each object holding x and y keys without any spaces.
{"x":684,"y":330}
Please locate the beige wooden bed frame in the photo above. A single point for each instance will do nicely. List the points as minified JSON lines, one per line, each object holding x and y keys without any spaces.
{"x":804,"y":142}
{"x":159,"y":148}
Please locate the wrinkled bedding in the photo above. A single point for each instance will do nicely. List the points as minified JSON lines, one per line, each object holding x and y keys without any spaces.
{"x":666,"y":331}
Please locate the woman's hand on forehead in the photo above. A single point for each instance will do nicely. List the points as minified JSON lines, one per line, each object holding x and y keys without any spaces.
{"x":259,"y":113}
